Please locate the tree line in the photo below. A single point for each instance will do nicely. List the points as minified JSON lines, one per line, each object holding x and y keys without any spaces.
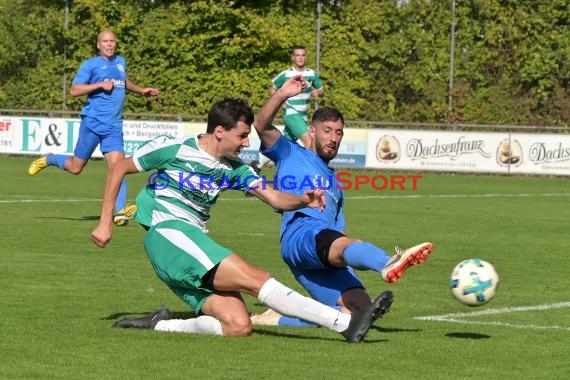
{"x":385,"y":60}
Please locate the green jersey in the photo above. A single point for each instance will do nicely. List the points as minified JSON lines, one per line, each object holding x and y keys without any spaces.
{"x":298,"y":104}
{"x":187,"y":181}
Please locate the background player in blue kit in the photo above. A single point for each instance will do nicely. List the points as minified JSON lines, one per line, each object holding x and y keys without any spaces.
{"x":313,"y":244}
{"x":104,"y":80}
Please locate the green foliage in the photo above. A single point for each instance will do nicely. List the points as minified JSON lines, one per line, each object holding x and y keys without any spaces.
{"x":379,"y":60}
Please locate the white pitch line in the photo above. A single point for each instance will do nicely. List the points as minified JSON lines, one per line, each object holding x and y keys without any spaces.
{"x":453,"y":317}
{"x":416,"y":196}
{"x":504,"y":310}
{"x":505,"y":324}
{"x":42,"y":200}
{"x":19,"y":198}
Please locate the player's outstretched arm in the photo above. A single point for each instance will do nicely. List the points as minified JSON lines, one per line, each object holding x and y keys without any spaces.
{"x":263,"y":123}
{"x":102,"y":234}
{"x":144,"y":91}
{"x":281,"y":201}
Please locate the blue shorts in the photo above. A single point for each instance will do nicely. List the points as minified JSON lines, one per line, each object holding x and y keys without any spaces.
{"x":299,"y":250}
{"x":92,"y":133}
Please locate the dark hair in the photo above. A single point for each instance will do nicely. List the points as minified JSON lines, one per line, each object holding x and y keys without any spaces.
{"x":327,"y":114}
{"x":298,"y":47}
{"x":227,"y":113}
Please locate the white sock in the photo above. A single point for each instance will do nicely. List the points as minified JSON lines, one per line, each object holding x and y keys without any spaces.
{"x":286,"y":301}
{"x":201,"y":325}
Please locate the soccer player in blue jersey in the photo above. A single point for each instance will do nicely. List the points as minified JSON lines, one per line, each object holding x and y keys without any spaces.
{"x":313,"y":244}
{"x":104,"y":80}
{"x":205,"y":275}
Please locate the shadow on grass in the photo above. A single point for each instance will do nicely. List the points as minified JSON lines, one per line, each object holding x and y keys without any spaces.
{"x":120,"y":315}
{"x":87,"y":218}
{"x":259,"y":330}
{"x":461,"y":335}
{"x":392,"y":329}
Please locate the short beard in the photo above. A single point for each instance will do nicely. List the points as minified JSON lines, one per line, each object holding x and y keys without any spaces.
{"x":324,"y":156}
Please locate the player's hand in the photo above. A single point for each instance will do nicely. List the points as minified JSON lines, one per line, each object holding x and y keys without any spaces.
{"x":316,"y":199}
{"x":107,"y":85}
{"x":101,"y":236}
{"x":149,"y":91}
{"x":293,"y":86}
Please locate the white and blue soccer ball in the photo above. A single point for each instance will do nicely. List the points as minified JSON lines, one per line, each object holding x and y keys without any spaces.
{"x":474,"y":282}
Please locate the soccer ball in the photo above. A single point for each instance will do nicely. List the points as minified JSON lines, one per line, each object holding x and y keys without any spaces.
{"x":474,"y":282}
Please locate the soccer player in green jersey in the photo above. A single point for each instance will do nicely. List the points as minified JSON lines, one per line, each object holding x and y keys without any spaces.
{"x":190,"y":174}
{"x":297,"y":107}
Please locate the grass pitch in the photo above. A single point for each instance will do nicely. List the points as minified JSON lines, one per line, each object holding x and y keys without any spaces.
{"x":61,"y":294}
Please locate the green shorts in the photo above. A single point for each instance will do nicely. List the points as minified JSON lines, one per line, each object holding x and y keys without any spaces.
{"x":295,"y":126}
{"x":181,"y":254}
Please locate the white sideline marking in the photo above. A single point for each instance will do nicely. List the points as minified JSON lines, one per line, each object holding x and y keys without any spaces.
{"x":417,"y":196}
{"x":51,"y":200}
{"x":455,"y":317}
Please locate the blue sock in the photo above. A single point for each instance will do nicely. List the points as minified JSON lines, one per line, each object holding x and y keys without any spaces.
{"x":57,"y":160}
{"x":121,"y":201}
{"x":365,"y":256}
{"x":296,"y":322}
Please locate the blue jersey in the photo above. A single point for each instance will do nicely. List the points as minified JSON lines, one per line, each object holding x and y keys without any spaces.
{"x":104,"y":106}
{"x":300,"y":169}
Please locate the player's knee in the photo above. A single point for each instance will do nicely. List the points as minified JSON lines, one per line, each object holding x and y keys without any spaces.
{"x":75,"y":165}
{"x":112,"y":164}
{"x":237,"y":326}
{"x":75,"y":170}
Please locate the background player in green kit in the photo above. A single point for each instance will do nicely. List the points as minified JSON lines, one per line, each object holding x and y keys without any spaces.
{"x":297,"y":107}
{"x":174,"y":208}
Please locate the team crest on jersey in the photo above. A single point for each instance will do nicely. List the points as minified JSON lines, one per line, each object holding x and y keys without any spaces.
{"x":320,"y":182}
{"x":120,"y":67}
